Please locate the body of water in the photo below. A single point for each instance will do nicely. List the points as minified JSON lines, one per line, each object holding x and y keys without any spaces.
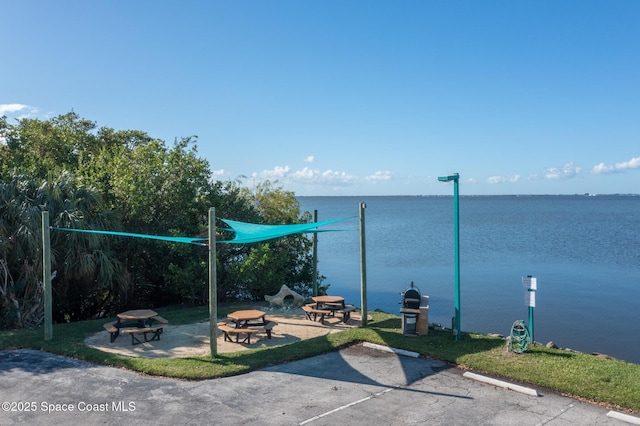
{"x":583,"y":250}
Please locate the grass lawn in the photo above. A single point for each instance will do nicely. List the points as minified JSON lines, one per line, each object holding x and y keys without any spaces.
{"x":613,"y":383}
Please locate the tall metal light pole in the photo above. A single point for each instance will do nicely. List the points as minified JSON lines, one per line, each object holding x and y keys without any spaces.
{"x":315,"y":256}
{"x":456,"y":231}
{"x":363,"y":267}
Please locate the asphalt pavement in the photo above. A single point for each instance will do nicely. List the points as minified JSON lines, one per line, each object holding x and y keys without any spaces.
{"x":354,"y":386}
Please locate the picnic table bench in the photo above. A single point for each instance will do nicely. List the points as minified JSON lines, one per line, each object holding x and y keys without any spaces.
{"x":313,"y":311}
{"x":114,"y":331}
{"x":268,"y":326}
{"x":154,"y":328}
{"x":228,"y":331}
{"x":161,"y":320}
{"x":346,"y":312}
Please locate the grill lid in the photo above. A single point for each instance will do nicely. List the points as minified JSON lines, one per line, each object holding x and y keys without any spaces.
{"x":411,"y":297}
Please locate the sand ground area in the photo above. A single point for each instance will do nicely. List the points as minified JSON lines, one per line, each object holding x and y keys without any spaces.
{"x":181,"y":341}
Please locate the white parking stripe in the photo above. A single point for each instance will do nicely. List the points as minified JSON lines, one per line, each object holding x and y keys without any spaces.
{"x":345,"y":406}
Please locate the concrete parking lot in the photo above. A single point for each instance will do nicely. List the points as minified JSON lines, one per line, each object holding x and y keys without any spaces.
{"x":354,"y":386}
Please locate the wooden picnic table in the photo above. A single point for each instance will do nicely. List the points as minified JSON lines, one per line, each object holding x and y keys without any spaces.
{"x":247,"y":317}
{"x":142,"y":316}
{"x":328,"y":306}
{"x":332,"y":303}
{"x":328,"y":299}
{"x":244,"y":320}
{"x":138,"y":321}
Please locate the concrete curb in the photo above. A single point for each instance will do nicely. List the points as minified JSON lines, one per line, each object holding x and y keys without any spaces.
{"x":500,"y":383}
{"x":393,"y":350}
{"x":624,"y":417}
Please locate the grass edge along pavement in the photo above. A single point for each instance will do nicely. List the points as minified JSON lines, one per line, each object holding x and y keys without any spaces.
{"x":609,"y":382}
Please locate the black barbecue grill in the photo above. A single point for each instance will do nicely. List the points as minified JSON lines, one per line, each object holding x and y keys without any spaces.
{"x":411,"y":300}
{"x":410,"y":309}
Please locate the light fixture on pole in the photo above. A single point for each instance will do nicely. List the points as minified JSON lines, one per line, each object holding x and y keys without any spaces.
{"x":456,"y":231}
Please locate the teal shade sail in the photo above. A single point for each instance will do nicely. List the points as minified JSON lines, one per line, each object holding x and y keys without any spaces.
{"x":191,"y":240}
{"x":253,"y":233}
{"x":244,"y":232}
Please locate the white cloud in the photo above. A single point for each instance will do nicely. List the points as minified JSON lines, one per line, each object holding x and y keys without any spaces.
{"x":8,"y":108}
{"x":18,"y":111}
{"x":306,"y":176}
{"x":380,"y":176}
{"x":310,"y":159}
{"x":602,"y":168}
{"x":278,"y":172}
{"x":634,"y":163}
{"x":503,"y":179}
{"x":336,"y":177}
{"x":218,"y":172}
{"x":567,"y":171}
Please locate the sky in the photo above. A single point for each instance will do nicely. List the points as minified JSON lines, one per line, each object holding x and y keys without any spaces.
{"x":349,"y":97}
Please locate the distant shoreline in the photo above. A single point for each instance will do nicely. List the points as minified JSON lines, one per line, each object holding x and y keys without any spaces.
{"x":471,"y":195}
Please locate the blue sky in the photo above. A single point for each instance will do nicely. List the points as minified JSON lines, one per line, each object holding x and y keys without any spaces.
{"x":349,"y":97}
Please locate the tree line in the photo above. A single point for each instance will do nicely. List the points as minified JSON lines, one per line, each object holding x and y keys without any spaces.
{"x":91,"y":177}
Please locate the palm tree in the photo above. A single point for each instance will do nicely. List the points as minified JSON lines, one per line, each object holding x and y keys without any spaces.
{"x":88,"y":275}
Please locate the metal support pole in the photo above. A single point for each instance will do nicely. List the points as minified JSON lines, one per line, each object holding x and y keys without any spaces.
{"x":456,"y":237}
{"x":531,"y":285}
{"x":531,"y":323}
{"x":456,"y":230}
{"x":363,"y":267}
{"x":213,"y":285}
{"x":315,"y":256}
{"x":46,"y":277}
